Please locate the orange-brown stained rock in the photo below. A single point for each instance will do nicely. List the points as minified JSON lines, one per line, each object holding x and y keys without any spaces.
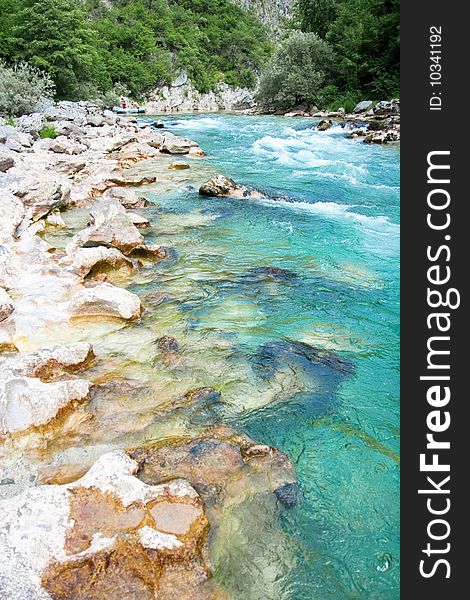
{"x":94,"y":511}
{"x":61,"y":474}
{"x":171,"y":517}
{"x":125,"y":572}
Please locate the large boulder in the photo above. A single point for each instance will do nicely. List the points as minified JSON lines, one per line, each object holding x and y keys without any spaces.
{"x":110,"y":226}
{"x":105,"y":300}
{"x":61,"y":145}
{"x":42,"y":196}
{"x":9,"y":133}
{"x":362,"y":106}
{"x":52,"y":360}
{"x":174,"y":144}
{"x":28,"y":401}
{"x":32,"y":123}
{"x":106,"y":535}
{"x":84,"y":260}
{"x":219,"y":185}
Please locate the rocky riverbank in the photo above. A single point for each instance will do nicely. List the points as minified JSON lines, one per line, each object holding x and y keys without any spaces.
{"x":115,"y":519}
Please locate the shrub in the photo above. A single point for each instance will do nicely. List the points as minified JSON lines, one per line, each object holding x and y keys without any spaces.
{"x":296,"y":73}
{"x":49,"y":131}
{"x":21,"y":86}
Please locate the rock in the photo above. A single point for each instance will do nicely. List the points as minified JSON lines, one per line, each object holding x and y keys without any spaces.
{"x":152,"y":252}
{"x":376,"y":126}
{"x":27,"y":401}
{"x":219,"y":185}
{"x":179,"y":166}
{"x":41,"y":197}
{"x":272,"y":274}
{"x":85,"y":260}
{"x":61,"y":145}
{"x":69,"y":130}
{"x":158,"y":124}
{"x":167,"y":343}
{"x":362,"y":106}
{"x":121,"y":142}
{"x":382,"y":137}
{"x":9,"y":265}
{"x":6,"y":305}
{"x":287,"y":494}
{"x":32,"y":123}
{"x":222,"y":465}
{"x":139,"y":221}
{"x":341,"y":111}
{"x":174,"y":144}
{"x":12,"y":213}
{"x":6,"y":162}
{"x":95,"y":120}
{"x":127,"y":197}
{"x":69,"y":167}
{"x":106,"y":535}
{"x":387,"y":107}
{"x":53,"y":360}
{"x":105,"y":300}
{"x":324,"y":125}
{"x":9,"y":133}
{"x":186,"y":98}
{"x":54,"y":219}
{"x":110,"y":226}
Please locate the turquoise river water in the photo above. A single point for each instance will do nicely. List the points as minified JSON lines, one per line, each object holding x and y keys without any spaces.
{"x":329,"y":216}
{"x":288,"y":305}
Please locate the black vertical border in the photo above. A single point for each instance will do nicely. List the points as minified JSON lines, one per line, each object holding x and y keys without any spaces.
{"x":424,"y":131}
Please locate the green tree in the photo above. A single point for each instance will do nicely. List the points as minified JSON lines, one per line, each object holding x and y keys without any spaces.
{"x":366,"y":38}
{"x":316,"y":16}
{"x":296,"y":73}
{"x":55,"y":36}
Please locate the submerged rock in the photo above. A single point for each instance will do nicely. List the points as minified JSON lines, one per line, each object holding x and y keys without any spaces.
{"x":219,"y":464}
{"x":179,"y":166}
{"x":167,"y":343}
{"x":273,"y":353}
{"x":272,"y":273}
{"x":105,"y":300}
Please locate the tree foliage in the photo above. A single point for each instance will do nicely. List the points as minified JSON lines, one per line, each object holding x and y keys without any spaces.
{"x":295,"y":74}
{"x":365,"y":35}
{"x":90,"y":46}
{"x":21,"y":86}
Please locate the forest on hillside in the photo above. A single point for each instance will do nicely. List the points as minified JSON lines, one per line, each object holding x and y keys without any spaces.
{"x":330,"y":51}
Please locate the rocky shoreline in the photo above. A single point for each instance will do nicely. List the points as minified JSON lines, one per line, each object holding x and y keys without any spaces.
{"x":128,"y":523}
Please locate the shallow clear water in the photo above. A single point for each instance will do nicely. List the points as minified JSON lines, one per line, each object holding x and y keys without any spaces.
{"x":330,"y":215}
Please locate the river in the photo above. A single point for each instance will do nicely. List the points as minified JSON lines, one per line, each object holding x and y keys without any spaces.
{"x":289,"y":306}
